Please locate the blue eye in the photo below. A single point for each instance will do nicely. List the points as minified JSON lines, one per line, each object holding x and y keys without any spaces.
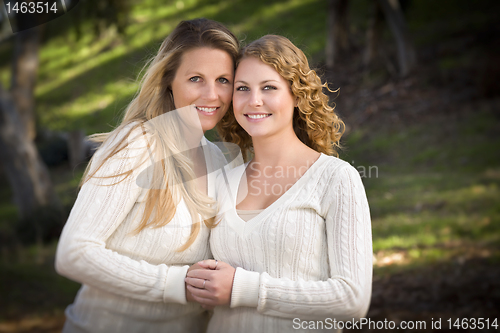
{"x":223,"y":80}
{"x":195,"y":79}
{"x":270,"y":88}
{"x":242,"y":88}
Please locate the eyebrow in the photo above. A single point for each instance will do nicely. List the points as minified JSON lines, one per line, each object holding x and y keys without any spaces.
{"x":189,"y":73}
{"x":263,"y":82}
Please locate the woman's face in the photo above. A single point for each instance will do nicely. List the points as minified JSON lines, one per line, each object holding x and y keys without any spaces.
{"x":205,"y":79}
{"x":263,"y":102}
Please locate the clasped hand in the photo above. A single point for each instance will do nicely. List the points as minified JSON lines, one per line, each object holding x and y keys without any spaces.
{"x":209,"y":283}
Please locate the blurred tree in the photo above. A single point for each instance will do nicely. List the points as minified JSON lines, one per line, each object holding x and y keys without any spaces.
{"x":397,"y":23}
{"x":102,"y":14}
{"x":337,"y":40}
{"x":27,"y":174}
{"x":373,"y":34}
{"x":23,"y":78}
{"x":389,"y":11}
{"x":25,"y":170}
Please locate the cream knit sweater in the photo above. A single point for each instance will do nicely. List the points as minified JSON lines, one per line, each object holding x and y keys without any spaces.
{"x":307,"y":256}
{"x":130,"y":282}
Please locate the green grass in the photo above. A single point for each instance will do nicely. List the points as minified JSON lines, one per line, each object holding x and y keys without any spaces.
{"x":437,"y":194}
{"x":32,"y":286}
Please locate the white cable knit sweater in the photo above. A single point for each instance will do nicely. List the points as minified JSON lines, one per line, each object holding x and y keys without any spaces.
{"x":306,"y":256}
{"x":131,"y":282}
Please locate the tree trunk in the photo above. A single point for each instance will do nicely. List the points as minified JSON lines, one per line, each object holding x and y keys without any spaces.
{"x":25,"y":171}
{"x":396,"y":21}
{"x":373,"y":35}
{"x":338,"y":31}
{"x":27,"y":174}
{"x":76,"y":148}
{"x":24,"y":72}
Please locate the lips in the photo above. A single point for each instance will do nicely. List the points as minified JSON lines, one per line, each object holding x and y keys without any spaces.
{"x":207,"y":110}
{"x":257,"y":115}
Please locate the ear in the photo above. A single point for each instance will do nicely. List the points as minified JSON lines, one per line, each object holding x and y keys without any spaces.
{"x":296,"y":102}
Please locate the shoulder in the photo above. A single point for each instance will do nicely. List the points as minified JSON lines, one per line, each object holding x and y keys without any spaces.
{"x":129,"y":134}
{"x":128,"y":141}
{"x":337,"y":180}
{"x":334,"y":167}
{"x":228,"y":180}
{"x":336,"y":172}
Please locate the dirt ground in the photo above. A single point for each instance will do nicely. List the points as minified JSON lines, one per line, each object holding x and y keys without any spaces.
{"x":468,"y":289}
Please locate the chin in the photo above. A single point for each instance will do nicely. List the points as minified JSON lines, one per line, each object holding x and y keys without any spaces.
{"x":256,"y":134}
{"x":207,"y":126}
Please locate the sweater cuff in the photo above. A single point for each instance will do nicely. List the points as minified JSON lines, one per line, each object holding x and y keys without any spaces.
{"x":175,"y":287}
{"x":245,"y":288}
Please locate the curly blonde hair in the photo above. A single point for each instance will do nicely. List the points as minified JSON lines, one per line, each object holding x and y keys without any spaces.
{"x":314,"y":121}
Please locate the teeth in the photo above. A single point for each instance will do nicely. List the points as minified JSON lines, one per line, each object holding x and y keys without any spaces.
{"x":206,"y":109}
{"x":257,"y":116}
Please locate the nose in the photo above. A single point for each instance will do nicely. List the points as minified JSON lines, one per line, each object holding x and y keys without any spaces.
{"x":255,"y":99}
{"x":210,"y":92}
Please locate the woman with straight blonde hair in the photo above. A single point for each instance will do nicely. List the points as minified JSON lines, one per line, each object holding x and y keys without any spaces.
{"x":145,"y":207}
{"x":293,"y":245}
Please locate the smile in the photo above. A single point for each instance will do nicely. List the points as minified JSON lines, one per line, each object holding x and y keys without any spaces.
{"x":207,"y":109}
{"x":258,"y":116}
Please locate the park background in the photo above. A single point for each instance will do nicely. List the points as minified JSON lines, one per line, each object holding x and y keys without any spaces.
{"x":424,"y":131}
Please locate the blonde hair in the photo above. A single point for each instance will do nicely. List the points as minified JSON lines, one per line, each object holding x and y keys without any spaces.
{"x":314,"y":122}
{"x":153,"y":99}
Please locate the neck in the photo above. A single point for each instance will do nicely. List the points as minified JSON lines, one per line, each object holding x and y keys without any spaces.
{"x":192,"y":138}
{"x":277,"y":150}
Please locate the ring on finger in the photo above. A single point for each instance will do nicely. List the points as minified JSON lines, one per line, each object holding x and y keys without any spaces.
{"x":216,"y":262}
{"x":204,"y":282}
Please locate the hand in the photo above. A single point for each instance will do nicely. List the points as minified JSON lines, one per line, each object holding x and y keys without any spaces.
{"x":212,"y":285}
{"x":189,"y":297}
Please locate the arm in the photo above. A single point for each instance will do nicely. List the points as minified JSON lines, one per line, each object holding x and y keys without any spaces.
{"x":345,"y":295}
{"x":101,"y":206}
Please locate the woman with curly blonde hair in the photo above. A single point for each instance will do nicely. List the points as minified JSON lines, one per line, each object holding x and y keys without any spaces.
{"x":293,"y":245}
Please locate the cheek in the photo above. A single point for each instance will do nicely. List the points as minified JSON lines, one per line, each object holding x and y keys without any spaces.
{"x":286,"y":104}
{"x":226,"y":93}
{"x":238,"y":103}
{"x":182,"y":97}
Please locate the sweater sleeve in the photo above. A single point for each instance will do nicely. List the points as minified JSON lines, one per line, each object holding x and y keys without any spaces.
{"x":343,"y":296}
{"x":101,"y":206}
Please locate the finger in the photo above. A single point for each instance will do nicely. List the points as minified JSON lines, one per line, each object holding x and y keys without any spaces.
{"x":201,"y":296}
{"x":197,"y":283}
{"x":203,"y":274}
{"x":204,"y":302}
{"x":203,"y":293}
{"x":210,"y":263}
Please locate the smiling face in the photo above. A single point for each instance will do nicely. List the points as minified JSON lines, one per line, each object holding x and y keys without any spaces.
{"x":205,"y":79}
{"x":263,"y":101}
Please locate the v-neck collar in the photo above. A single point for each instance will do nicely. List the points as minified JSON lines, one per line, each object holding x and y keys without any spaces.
{"x":245,"y":227}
